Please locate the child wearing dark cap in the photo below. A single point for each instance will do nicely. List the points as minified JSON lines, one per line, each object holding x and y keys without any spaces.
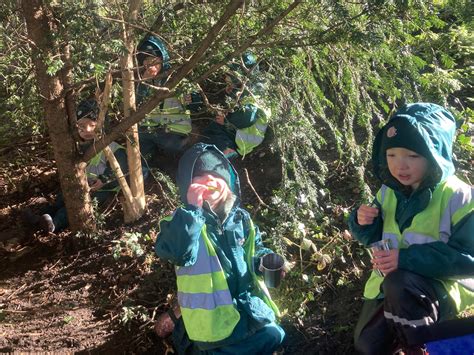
{"x":100,"y":175}
{"x":167,"y":127}
{"x":225,"y":308}
{"x":240,"y":128}
{"x":426,"y":213}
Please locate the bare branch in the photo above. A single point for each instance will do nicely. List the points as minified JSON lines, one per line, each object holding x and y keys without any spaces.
{"x":174,"y":80}
{"x":187,"y":67}
{"x":104,"y":102}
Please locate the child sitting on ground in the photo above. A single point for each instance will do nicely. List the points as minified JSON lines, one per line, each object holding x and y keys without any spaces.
{"x":167,"y":127}
{"x":240,"y":128}
{"x":224,"y":306}
{"x":427,"y":214}
{"x":100,"y":176}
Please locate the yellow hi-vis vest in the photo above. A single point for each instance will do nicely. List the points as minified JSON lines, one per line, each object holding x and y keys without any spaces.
{"x":207,"y":308}
{"x":247,"y":139}
{"x":171,"y":115}
{"x":446,"y":208}
{"x":97,"y":165}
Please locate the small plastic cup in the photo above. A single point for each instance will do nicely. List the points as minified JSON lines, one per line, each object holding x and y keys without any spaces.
{"x":272,"y":265}
{"x":384,"y":244}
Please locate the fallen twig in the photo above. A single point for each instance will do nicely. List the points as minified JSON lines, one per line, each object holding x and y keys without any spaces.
{"x":255,"y":192}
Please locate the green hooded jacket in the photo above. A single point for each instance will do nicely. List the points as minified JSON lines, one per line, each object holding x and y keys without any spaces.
{"x":178,"y":242}
{"x":439,"y":259}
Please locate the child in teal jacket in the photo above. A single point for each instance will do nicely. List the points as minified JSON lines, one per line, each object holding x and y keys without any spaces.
{"x":216,"y":250}
{"x":427,"y":214}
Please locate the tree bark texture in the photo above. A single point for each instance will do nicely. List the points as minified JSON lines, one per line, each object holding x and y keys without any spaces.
{"x":176,"y":77}
{"x":137,"y":188}
{"x":41,"y":26}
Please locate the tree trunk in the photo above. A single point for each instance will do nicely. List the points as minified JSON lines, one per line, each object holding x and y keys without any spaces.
{"x":135,"y":211}
{"x":41,"y":26}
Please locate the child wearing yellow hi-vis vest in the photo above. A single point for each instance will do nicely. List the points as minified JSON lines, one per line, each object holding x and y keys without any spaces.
{"x":224,"y":305}
{"x":426,"y":213}
{"x":100,"y":176}
{"x":167,"y":127}
{"x":240,"y":128}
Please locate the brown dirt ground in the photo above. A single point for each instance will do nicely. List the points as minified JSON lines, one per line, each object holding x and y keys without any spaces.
{"x":62,"y":293}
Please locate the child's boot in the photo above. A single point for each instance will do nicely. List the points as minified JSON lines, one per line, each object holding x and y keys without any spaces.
{"x":46,"y":223}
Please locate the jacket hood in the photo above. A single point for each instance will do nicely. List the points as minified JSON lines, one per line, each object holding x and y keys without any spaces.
{"x":152,"y":45}
{"x":187,"y":166}
{"x":431,"y":127}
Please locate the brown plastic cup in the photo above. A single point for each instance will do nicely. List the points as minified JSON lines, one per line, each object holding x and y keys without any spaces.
{"x":272,"y":265}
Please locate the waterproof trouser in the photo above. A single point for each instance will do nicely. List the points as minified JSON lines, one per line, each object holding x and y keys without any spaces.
{"x":412,"y":304}
{"x":263,"y":342}
{"x":219,"y":135}
{"x":160,"y":141}
{"x":58,"y":212}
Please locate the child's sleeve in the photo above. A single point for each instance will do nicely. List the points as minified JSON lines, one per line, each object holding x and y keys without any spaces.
{"x":245,"y":116}
{"x":197,"y":103}
{"x":366,"y":234}
{"x":178,"y":239}
{"x":440,"y":259}
{"x":260,"y":250}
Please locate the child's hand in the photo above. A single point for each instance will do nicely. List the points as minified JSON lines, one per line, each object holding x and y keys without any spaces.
{"x":188,"y":99}
{"x":96,"y":185}
{"x":195,"y":194}
{"x":220,"y":117}
{"x":385,"y":260}
{"x":366,"y":215}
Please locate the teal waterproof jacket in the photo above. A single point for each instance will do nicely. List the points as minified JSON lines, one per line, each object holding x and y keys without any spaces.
{"x":178,"y":242}
{"x":442,"y":259}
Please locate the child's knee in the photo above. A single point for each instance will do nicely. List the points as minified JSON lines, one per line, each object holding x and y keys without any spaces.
{"x":394,"y":285}
{"x":273,"y":335}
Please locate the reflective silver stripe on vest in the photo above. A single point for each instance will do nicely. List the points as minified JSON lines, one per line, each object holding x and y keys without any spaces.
{"x":467,"y":283}
{"x":393,"y":238}
{"x":203,"y":265}
{"x":204,"y":300}
{"x":416,"y":238}
{"x":458,"y":199}
{"x":249,"y":137}
{"x":383,"y":190}
{"x":261,"y":127}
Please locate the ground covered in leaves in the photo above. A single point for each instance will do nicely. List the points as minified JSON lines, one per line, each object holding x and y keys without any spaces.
{"x":102,"y":293}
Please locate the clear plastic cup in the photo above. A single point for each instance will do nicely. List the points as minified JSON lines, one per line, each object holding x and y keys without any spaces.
{"x":384,"y":244}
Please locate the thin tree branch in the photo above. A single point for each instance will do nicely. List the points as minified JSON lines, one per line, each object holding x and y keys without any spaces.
{"x":174,"y":80}
{"x":246,"y":44}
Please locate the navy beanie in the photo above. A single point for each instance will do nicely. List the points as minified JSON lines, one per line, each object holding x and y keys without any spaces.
{"x":87,"y":109}
{"x":210,"y":163}
{"x":399,"y":133}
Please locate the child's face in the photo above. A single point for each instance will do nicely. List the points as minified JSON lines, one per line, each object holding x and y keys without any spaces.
{"x":230,"y":85}
{"x":86,"y":128}
{"x":408,"y":167}
{"x":153,"y":66}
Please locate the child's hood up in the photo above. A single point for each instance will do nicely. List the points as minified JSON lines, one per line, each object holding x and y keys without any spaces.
{"x":215,"y":163}
{"x":432,"y":127}
{"x":153,"y":46}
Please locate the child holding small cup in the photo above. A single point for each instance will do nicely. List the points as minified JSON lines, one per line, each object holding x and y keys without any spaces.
{"x":426,"y":213}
